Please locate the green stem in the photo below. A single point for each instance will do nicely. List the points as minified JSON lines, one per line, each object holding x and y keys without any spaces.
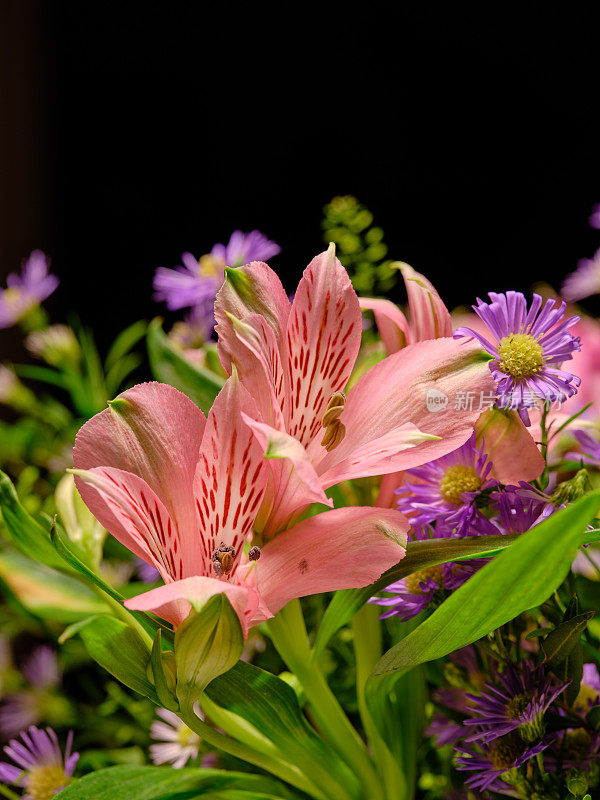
{"x":281,"y":769}
{"x":290,"y":638}
{"x":366,"y":628}
{"x":6,"y":792}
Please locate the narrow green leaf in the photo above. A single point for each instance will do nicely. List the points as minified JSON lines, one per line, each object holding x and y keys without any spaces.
{"x":120,"y":651}
{"x":558,"y":643}
{"x":127,"y":782}
{"x":171,"y":367}
{"x":28,"y":535}
{"x":520,"y":578}
{"x":271,"y":706}
{"x":124,"y":342}
{"x":164,"y":674}
{"x":419,"y":555}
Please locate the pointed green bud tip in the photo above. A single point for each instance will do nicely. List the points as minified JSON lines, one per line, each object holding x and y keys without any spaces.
{"x":119,"y":404}
{"x":573,"y":489}
{"x":239,"y":282}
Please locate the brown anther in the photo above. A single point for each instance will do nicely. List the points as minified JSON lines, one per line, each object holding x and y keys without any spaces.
{"x":223,"y":559}
{"x":254,"y":553}
{"x":333,"y":435}
{"x":334,"y":408}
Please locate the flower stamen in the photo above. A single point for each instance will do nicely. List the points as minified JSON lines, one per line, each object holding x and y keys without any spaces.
{"x":520,"y":355}
{"x":456,"y":481}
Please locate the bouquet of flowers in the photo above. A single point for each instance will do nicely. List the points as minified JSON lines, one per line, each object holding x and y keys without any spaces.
{"x":331,"y":549}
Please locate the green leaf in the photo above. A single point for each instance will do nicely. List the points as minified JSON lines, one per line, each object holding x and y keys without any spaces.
{"x":169,"y":366}
{"x":208,"y":643}
{"x":27,"y":534}
{"x":520,"y":578}
{"x":559,"y":643}
{"x":164,"y":783}
{"x":120,"y":651}
{"x":419,"y":555}
{"x":271,"y":706}
{"x":164,"y":673}
{"x":46,"y":593}
{"x":124,"y":342}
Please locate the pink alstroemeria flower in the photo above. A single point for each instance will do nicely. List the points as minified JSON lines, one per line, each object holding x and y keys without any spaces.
{"x":173,"y":487}
{"x":412,"y":407}
{"x":428,"y":316}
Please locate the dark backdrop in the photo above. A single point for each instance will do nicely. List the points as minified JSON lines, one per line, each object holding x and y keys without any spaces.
{"x":135,"y":134}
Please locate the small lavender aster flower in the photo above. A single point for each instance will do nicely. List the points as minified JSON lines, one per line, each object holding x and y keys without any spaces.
{"x":519,"y":510}
{"x":193,"y":284}
{"x":24,"y":708}
{"x":27,"y":290}
{"x":584,"y":281}
{"x":519,"y":703}
{"x":594,"y":218}
{"x":590,"y":449}
{"x":243,"y":248}
{"x":146,"y":572}
{"x":198,"y":280}
{"x":529,"y":348}
{"x":446,"y":489}
{"x":177,"y":743}
{"x":38,"y":763}
{"x":493,"y":760}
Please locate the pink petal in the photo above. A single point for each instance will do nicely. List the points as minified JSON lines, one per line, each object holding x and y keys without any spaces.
{"x":429,"y":317}
{"x":399,"y":389}
{"x":294,"y":484}
{"x":372,"y":457}
{"x":323,"y":334}
{"x":511,"y":449}
{"x":173,"y":602}
{"x":154,"y":432}
{"x":253,"y":350}
{"x":391,"y":323}
{"x":252,"y":289}
{"x":340,"y":549}
{"x":231,"y":474}
{"x":128,"y":508}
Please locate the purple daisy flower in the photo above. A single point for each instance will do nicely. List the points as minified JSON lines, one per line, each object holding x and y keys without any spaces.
{"x":243,"y":248}
{"x":584,"y":281}
{"x":519,"y":509}
{"x":590,"y":449}
{"x":529,"y":348}
{"x":27,"y":290}
{"x":446,"y":489}
{"x":38,"y":763}
{"x":519,"y":704}
{"x":493,"y":760}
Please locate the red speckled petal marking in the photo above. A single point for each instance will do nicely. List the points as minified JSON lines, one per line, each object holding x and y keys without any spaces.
{"x":129,"y":509}
{"x":231,"y":473}
{"x":323,"y":338}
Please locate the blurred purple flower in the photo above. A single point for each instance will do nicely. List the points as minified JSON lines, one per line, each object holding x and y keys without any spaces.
{"x":24,"y":708}
{"x":176,"y":742}
{"x":198,"y":280}
{"x":27,"y":290}
{"x":584,"y":281}
{"x":494,"y":759}
{"x":38,"y":764}
{"x":594,"y":218}
{"x":243,"y":248}
{"x":529,"y":348}
{"x":146,"y":572}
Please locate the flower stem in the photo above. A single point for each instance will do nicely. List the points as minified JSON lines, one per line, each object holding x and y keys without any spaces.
{"x":290,"y":638}
{"x":6,"y":792}
{"x":281,"y":769}
{"x":367,"y":649}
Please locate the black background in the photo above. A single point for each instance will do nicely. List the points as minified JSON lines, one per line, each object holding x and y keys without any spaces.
{"x":473,"y":139}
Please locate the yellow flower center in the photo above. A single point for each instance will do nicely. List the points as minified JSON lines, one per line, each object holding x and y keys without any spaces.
{"x":186,"y":736}
{"x":12,"y":295}
{"x":516,"y":706}
{"x":456,"y":481}
{"x":412,"y":581}
{"x":505,"y":751}
{"x":520,"y":355}
{"x":43,"y":782}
